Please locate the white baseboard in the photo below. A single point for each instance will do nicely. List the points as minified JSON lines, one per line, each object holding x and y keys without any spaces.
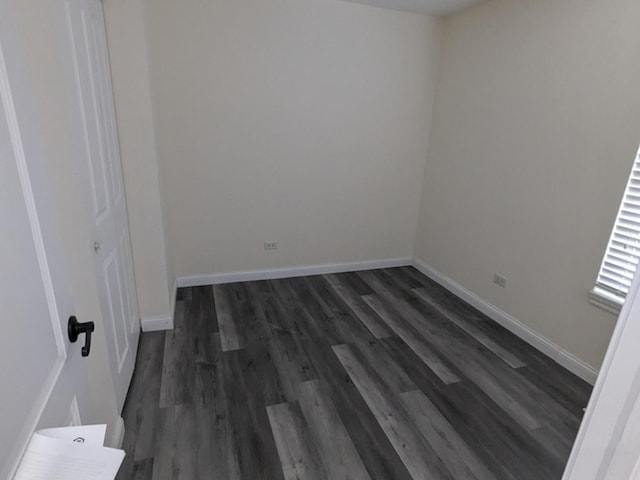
{"x":153,"y":324}
{"x":546,"y":346}
{"x":271,"y":274}
{"x":161,"y":322}
{"x":118,"y":434}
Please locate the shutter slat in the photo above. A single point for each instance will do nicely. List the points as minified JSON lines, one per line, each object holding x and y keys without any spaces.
{"x":630,"y":248}
{"x":623,"y":259}
{"x":624,"y":254}
{"x":623,"y":268}
{"x":625,"y":236}
{"x":613,"y":275}
{"x":614,"y":267}
{"x":615,"y":287}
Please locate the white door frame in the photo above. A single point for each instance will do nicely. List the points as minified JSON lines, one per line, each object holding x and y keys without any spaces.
{"x":608,"y":443}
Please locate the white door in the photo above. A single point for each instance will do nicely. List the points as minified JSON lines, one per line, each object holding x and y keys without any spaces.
{"x":43,"y":378}
{"x":608,"y":443}
{"x":105,"y":193}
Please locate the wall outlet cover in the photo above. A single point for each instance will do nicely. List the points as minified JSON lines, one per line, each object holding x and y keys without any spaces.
{"x":500,"y":280}
{"x":270,"y":245}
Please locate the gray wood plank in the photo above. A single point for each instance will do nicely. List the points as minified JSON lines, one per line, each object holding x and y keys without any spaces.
{"x":142,"y":470}
{"x":406,"y":442}
{"x":229,"y":337}
{"x":509,"y":358}
{"x":528,"y":404}
{"x":426,"y":354}
{"x":147,"y":392}
{"x":382,"y":363}
{"x":141,"y":412}
{"x":297,"y":452}
{"x":375,"y":325}
{"x":321,"y":323}
{"x":177,"y":455}
{"x":337,"y":452}
{"x":445,"y":441}
{"x":345,"y":323}
{"x":505,"y":446}
{"x":291,"y":360}
{"x":252,"y":439}
{"x":377,"y":453}
{"x":177,"y":369}
{"x":510,"y":397}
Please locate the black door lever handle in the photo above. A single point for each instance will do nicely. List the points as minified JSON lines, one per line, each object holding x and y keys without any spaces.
{"x":75,"y":328}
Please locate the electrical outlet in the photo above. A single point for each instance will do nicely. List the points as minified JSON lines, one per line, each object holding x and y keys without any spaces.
{"x":500,"y":280}
{"x":270,"y":245}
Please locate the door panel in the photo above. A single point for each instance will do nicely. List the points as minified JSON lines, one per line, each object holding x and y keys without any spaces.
{"x":117,"y":316}
{"x":43,"y":378}
{"x":113,"y":262}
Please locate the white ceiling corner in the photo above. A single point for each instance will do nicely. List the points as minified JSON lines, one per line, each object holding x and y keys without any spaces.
{"x":428,"y":7}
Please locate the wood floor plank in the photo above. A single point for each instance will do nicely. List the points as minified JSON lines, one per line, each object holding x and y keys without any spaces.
{"x":145,"y":391}
{"x":461,"y":461}
{"x":322,"y":323}
{"x":337,"y":452}
{"x":504,"y":446}
{"x":247,"y":310}
{"x":426,"y":354}
{"x":376,"y":356}
{"x":229,"y":337}
{"x":177,"y":456}
{"x":305,"y":327}
{"x":548,"y":378}
{"x":416,"y":456}
{"x":261,"y":388}
{"x":218,"y":426}
{"x":200,"y":310}
{"x":512,"y":397}
{"x":258,"y":294}
{"x":347,"y":325}
{"x":291,"y":360}
{"x":298,"y":455}
{"x":247,"y":419}
{"x":556,"y":443}
{"x":177,"y":370}
{"x":141,"y":412}
{"x":186,"y":293}
{"x":355,"y":283}
{"x":142,"y":470}
{"x":367,"y":316}
{"x":509,"y":358}
{"x":527,"y":402}
{"x":377,"y":453}
{"x":524,"y":401}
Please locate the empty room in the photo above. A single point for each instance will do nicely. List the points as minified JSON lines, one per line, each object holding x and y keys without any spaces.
{"x":321,"y":239}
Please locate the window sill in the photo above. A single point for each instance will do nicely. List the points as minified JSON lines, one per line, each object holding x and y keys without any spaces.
{"x":606,"y":301}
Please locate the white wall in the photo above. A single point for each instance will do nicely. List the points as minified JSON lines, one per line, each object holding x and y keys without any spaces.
{"x":126,"y":32}
{"x":298,"y":121}
{"x":536,"y":124}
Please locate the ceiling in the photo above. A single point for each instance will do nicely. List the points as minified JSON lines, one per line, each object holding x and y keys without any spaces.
{"x":429,"y":7}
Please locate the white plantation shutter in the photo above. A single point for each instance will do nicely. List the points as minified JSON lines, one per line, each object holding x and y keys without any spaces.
{"x":623,"y":251}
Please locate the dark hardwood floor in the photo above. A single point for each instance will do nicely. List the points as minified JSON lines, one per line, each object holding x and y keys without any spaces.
{"x":371,"y":375}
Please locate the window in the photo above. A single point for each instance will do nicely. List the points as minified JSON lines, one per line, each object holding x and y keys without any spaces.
{"x":623,"y":251}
